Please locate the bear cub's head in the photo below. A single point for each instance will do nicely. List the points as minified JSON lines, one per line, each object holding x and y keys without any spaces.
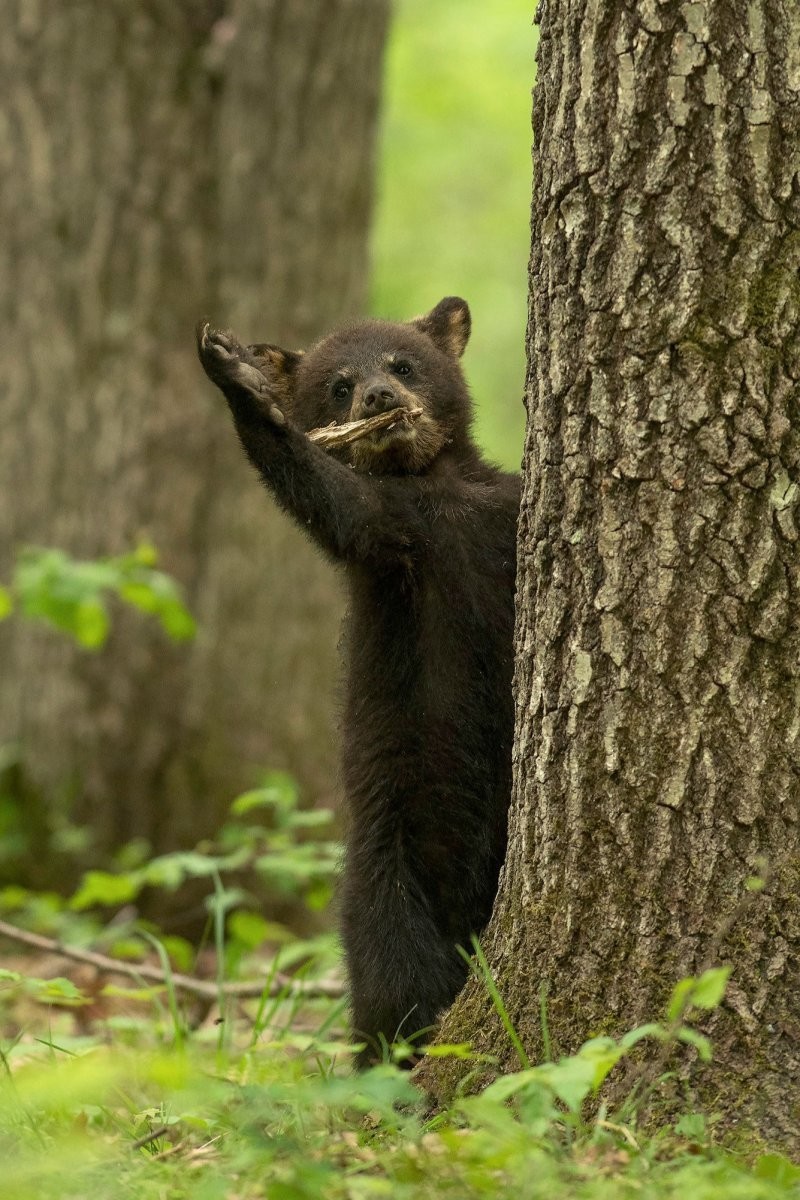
{"x":367,"y":368}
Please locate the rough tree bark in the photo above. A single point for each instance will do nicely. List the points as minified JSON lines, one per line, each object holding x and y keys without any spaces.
{"x":658,"y":641}
{"x":163,"y":159}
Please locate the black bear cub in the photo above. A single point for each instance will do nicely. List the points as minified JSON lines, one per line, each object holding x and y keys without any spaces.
{"x":425,"y":531}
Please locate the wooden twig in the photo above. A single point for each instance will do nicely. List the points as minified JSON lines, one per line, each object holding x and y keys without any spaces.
{"x":342,"y":435}
{"x":153,"y":1136}
{"x":311,"y":989}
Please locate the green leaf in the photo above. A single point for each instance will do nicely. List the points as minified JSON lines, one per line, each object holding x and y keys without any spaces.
{"x":227,"y":899}
{"x":693,"y":1038}
{"x":180,"y":951}
{"x":133,"y":993}
{"x":170,"y":870}
{"x":283,"y":787}
{"x":572,"y":1080}
{"x":177,"y":622}
{"x":13,"y":896}
{"x":248,"y":801}
{"x":679,"y":998}
{"x":311,"y":819}
{"x":318,"y":896}
{"x":100,"y":887}
{"x":505,"y":1086}
{"x":70,"y":594}
{"x":777,"y":1169}
{"x":703,"y":992}
{"x":498,"y":1119}
{"x":155,"y":593}
{"x":278,"y":793}
{"x":462,"y":1050}
{"x":693,"y":1126}
{"x":91,"y":624}
{"x":6,"y":603}
{"x":643,"y":1031}
{"x":130,"y":947}
{"x":248,"y":927}
{"x":60,"y":989}
{"x":709,"y":988}
{"x":603,"y":1054}
{"x":145,"y":555}
{"x":139,"y":595}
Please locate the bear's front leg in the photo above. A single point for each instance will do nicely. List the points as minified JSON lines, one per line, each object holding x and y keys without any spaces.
{"x":342,"y":510}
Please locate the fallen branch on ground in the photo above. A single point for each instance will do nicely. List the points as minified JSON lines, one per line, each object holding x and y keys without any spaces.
{"x":307,"y":989}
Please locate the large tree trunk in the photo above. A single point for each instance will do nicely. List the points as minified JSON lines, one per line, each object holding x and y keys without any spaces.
{"x":658,"y":640}
{"x":162,"y":160}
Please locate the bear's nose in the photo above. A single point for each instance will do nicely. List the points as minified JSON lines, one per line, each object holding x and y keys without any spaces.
{"x":379,"y":396}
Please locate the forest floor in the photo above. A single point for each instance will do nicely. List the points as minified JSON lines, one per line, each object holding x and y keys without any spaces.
{"x":110,"y":1089}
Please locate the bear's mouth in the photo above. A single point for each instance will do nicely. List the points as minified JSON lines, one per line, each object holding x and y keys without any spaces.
{"x":400,"y":430}
{"x":407,"y":445}
{"x":383,"y":446}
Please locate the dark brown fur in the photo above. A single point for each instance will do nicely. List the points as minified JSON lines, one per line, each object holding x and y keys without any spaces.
{"x":425,"y":530}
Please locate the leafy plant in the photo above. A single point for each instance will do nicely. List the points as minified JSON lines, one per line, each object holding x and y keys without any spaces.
{"x":72,"y":595}
{"x":277,"y":850}
{"x":263,"y":1102}
{"x":558,"y":1091}
{"x":284,"y":1117}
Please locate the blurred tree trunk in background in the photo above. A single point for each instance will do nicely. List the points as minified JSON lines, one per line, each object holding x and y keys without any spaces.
{"x":162,"y":160}
{"x":658,"y":641}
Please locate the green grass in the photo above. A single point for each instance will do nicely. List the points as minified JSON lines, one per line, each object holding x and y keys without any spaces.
{"x":283,"y":1118}
{"x":127,"y":1089}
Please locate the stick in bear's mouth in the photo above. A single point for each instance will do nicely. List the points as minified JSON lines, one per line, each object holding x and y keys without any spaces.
{"x":343,"y":435}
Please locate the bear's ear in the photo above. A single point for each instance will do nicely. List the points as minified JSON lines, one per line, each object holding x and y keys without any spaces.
{"x":279,"y":366}
{"x":448,"y":325}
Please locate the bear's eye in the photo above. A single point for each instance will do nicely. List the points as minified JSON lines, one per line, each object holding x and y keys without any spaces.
{"x":341,"y":390}
{"x":402,"y":368}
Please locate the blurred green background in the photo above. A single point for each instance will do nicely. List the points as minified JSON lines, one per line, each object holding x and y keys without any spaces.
{"x":454,"y":189}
